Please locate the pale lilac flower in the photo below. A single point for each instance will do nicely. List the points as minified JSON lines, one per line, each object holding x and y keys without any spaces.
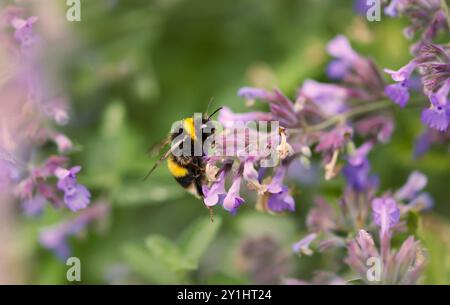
{"x":303,"y":246}
{"x":233,"y":200}
{"x":385,"y":213}
{"x":216,"y":193}
{"x":334,"y":139}
{"x":415,"y":183}
{"x":63,"y":143}
{"x":276,"y":185}
{"x":381,"y":126}
{"x":228,"y":118}
{"x":252,"y":93}
{"x":24,"y":30}
{"x":330,"y":98}
{"x":360,"y":249}
{"x":404,"y":266}
{"x":251,"y":175}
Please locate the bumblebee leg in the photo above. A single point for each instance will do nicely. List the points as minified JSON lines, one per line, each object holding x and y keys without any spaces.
{"x":211,"y":214}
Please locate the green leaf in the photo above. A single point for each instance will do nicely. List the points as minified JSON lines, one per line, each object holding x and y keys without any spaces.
{"x":143,"y":193}
{"x":149,"y":266}
{"x":168,"y":252}
{"x":198,"y":237}
{"x":412,"y":222}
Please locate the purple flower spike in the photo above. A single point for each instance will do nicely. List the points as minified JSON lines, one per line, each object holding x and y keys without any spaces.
{"x":398,"y":93}
{"x":416,"y":182}
{"x":385,"y":213}
{"x":282,"y":201}
{"x":233,"y":200}
{"x":216,"y":193}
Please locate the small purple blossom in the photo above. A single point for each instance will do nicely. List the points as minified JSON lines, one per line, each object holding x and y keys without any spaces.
{"x":398,"y":93}
{"x":415,"y":183}
{"x":233,"y":200}
{"x":281,"y":201}
{"x":216,"y":193}
{"x":76,"y":196}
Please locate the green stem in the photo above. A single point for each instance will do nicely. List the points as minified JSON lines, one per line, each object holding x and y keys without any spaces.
{"x":344,"y":116}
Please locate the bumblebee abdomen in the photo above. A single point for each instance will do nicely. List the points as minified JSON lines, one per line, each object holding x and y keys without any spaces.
{"x":176,"y":169}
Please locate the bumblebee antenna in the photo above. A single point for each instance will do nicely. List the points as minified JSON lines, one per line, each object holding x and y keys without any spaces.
{"x":214,"y":112}
{"x":209,"y":105}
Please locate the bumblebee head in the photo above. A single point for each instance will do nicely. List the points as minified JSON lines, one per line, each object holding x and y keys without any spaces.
{"x":190,"y":128}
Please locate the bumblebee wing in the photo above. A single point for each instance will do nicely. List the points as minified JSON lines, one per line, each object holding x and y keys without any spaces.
{"x":163,"y":157}
{"x":155,"y":148}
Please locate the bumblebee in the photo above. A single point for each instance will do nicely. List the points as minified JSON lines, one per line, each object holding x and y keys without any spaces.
{"x":188,"y":169}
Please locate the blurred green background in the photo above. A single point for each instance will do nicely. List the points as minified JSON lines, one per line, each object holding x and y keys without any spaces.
{"x":131,"y":68}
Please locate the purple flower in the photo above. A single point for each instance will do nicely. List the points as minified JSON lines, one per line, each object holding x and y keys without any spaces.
{"x":337,"y":69}
{"x":437,"y":116}
{"x":55,"y":238}
{"x":329,"y":98}
{"x":251,"y":93}
{"x":76,"y":196}
{"x":34,"y":205}
{"x":233,"y":200}
{"x":385,"y":213}
{"x":281,"y":201}
{"x":24,"y":30}
{"x":67,"y":178}
{"x":404,"y":73}
{"x":63,"y":143}
{"x":228,"y":118}
{"x":334,"y":139}
{"x":358,"y":156}
{"x":398,"y":93}
{"x":276,"y":185}
{"x":358,"y":176}
{"x":391,"y":9}
{"x":381,"y":125}
{"x":416,"y":182}
{"x":340,"y":48}
{"x":251,"y":175}
{"x":216,"y":193}
{"x":302,"y":246}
